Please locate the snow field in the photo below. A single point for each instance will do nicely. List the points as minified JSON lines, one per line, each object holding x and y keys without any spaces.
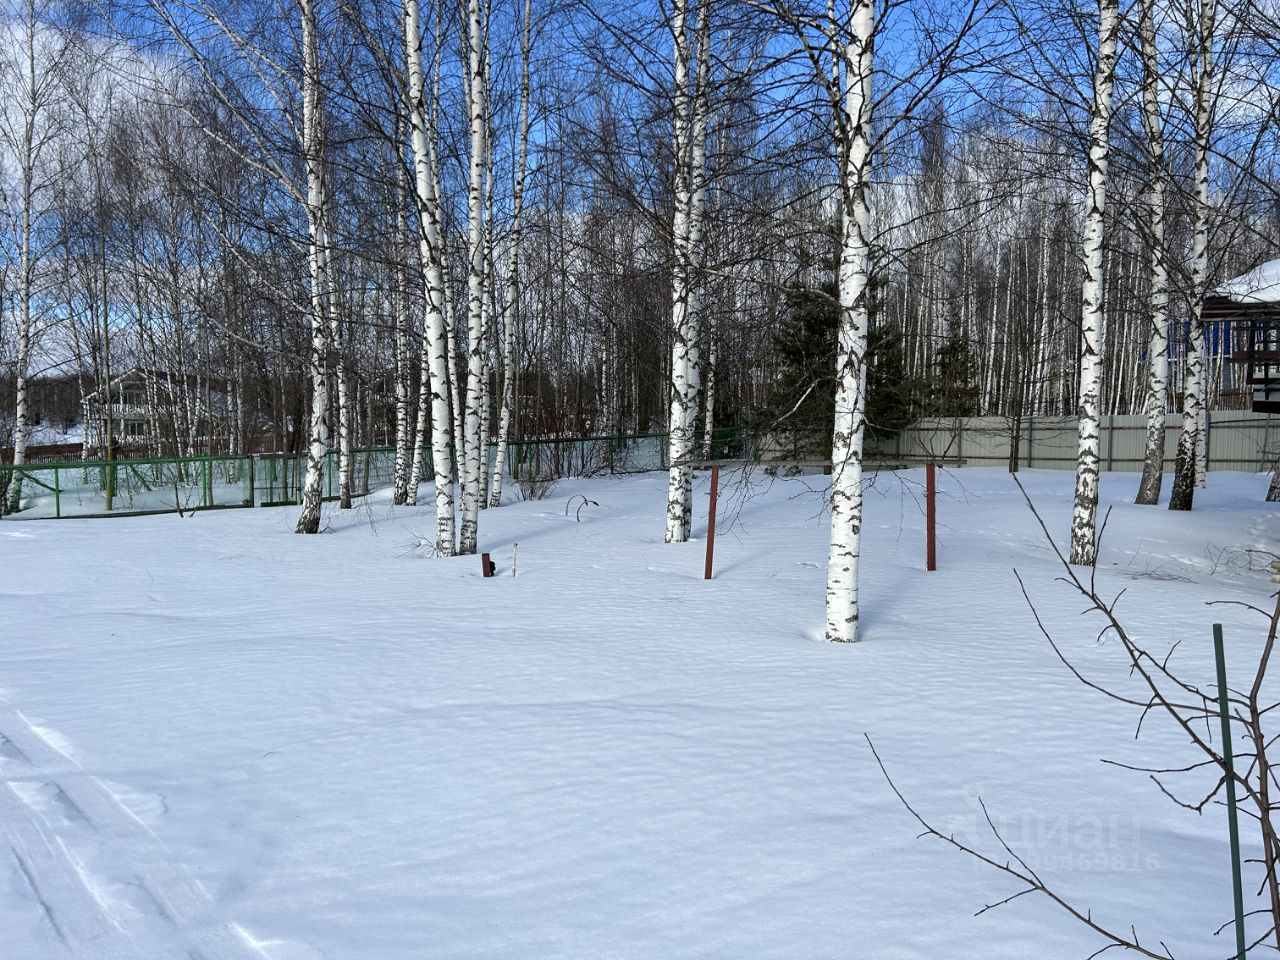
{"x":223,"y":740}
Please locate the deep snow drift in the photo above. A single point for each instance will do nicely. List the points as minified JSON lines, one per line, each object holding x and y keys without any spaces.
{"x":222,"y":740}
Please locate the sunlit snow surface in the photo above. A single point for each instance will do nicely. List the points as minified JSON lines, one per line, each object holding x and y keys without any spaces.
{"x":222,"y":740}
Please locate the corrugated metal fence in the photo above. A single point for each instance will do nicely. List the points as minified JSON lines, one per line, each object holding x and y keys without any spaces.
{"x":1237,"y":441}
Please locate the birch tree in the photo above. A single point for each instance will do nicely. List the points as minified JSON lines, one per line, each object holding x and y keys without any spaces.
{"x":1158,"y":304}
{"x":689,"y":197}
{"x":473,"y":445}
{"x":436,"y":354}
{"x":337,"y":338}
{"x":1194,"y":408}
{"x":490,"y":309}
{"x":1092,"y":335}
{"x":510,"y":316}
{"x":400,"y":308}
{"x":709,"y":389}
{"x":853,"y":125}
{"x":318,"y":272}
{"x":34,"y":79}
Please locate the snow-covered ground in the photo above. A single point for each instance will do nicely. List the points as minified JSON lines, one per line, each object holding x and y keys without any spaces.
{"x":221,"y":740}
{"x":45,"y":433}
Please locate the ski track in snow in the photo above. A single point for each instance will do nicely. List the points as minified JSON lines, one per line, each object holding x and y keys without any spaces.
{"x":104,"y":882}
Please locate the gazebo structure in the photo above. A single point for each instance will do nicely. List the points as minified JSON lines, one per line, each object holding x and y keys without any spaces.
{"x":1248,"y":310}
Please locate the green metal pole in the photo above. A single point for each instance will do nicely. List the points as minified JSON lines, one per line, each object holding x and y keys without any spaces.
{"x":57,"y":494}
{"x":1233,"y":824}
{"x":204,"y":477}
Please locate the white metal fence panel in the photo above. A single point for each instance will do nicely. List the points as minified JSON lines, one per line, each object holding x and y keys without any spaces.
{"x":1238,"y":440}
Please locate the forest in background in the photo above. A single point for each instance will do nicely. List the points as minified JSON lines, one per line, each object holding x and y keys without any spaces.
{"x":154,"y":158}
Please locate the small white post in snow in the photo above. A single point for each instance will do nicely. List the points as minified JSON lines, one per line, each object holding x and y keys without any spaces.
{"x":513,"y":558}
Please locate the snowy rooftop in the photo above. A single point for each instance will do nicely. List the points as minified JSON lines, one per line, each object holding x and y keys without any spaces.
{"x":1259,"y":285}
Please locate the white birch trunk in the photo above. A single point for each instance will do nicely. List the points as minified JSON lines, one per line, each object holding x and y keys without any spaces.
{"x":318,"y":444}
{"x":20,"y":426}
{"x":1191,"y":439}
{"x":337,"y":352}
{"x":689,"y":196}
{"x":436,"y":359}
{"x":27,"y":162}
{"x":422,"y":425}
{"x":510,"y":366}
{"x":400,"y":492}
{"x":1092,"y":334}
{"x":709,"y":391}
{"x":851,"y":370}
{"x":400,"y":304}
{"x":1158,"y":335}
{"x":473,"y":419}
{"x":486,"y":321}
{"x":455,"y":390}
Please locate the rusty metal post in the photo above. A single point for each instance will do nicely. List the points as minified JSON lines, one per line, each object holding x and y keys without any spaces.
{"x":711,"y":521}
{"x":930,"y":516}
{"x":490,"y":568}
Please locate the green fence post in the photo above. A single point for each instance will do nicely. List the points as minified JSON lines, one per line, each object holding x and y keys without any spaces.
{"x":252,"y":496}
{"x":57,"y":494}
{"x":1233,"y":826}
{"x":204,"y":482}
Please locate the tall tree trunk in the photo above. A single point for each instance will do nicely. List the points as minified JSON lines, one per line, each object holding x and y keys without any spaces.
{"x":20,"y":426}
{"x":423,"y":423}
{"x":851,"y":368}
{"x":510,"y":317}
{"x":473,"y":414}
{"x":689,"y":194}
{"x":338,"y":353}
{"x":1191,"y":439}
{"x":1092,"y":335}
{"x":400,"y":304}
{"x":31,"y":83}
{"x":709,"y":390}
{"x":488,"y":327}
{"x":435,"y":342}
{"x":1158,"y":335}
{"x":318,"y":445}
{"x":455,"y":388}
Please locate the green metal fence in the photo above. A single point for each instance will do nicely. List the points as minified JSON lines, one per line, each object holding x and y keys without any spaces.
{"x":279,"y":477}
{"x":100,"y":487}
{"x":96,"y":488}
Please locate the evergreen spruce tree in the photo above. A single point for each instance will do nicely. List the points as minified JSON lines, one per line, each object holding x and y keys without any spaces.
{"x":954,"y":392}
{"x":800,"y":409}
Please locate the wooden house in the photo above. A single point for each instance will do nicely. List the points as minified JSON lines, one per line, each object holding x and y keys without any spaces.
{"x":1248,"y":312}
